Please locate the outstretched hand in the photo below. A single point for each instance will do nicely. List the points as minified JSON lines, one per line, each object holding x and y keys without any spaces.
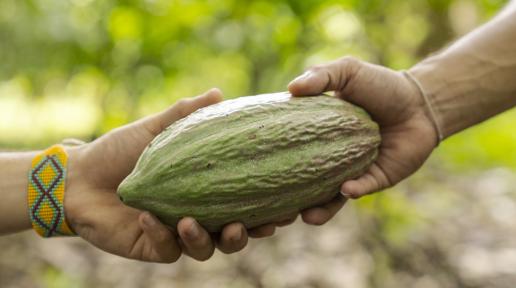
{"x":408,"y":136}
{"x":96,"y":169}
{"x":96,"y":213}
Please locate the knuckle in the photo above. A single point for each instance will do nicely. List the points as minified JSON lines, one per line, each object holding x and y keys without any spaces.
{"x":316,"y":68}
{"x":151,"y":125}
{"x":162,"y":237}
{"x":349,"y":60}
{"x":182,"y":107}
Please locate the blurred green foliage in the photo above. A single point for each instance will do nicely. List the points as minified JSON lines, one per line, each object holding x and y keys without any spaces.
{"x":79,"y":68}
{"x":82,"y":67}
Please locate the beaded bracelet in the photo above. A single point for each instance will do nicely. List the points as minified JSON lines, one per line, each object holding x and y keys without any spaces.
{"x":46,"y":193}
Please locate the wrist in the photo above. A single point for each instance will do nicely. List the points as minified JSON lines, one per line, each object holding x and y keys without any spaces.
{"x":434,"y":90}
{"x":425,"y":106}
{"x":75,"y":184}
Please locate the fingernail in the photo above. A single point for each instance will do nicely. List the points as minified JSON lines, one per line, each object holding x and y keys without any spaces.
{"x":350,"y":195}
{"x":193,"y":231}
{"x":303,"y":76}
{"x":345,"y":194}
{"x":149,"y":220}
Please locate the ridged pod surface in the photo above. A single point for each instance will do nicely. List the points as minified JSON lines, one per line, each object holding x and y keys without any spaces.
{"x":252,"y":159}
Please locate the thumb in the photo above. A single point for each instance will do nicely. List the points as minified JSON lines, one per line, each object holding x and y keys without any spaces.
{"x":332,"y":76}
{"x":184,"y":107}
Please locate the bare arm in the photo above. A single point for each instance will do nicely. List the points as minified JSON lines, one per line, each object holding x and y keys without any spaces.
{"x":14,"y":168}
{"x":475,"y":78}
{"x":468,"y":82}
{"x":92,"y":207}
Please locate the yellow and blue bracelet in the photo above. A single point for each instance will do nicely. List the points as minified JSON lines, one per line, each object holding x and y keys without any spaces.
{"x":46,"y":193}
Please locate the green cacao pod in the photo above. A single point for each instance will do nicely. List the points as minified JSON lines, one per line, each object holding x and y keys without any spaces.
{"x":253,"y":159}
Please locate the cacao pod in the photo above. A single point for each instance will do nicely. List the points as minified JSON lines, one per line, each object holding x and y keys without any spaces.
{"x":253,"y":159}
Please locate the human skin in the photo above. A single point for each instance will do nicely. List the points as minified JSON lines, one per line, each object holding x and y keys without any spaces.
{"x":92,"y":207}
{"x":467,"y":83}
{"x":95,"y":212}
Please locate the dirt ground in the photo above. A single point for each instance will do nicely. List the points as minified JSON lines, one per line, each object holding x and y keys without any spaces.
{"x":431,"y":231}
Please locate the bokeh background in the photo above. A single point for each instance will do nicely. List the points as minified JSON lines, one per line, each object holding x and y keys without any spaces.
{"x":78,"y":68}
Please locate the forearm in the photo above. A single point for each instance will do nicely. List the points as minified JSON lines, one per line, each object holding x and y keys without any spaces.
{"x":14,"y":168}
{"x":475,"y":78}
